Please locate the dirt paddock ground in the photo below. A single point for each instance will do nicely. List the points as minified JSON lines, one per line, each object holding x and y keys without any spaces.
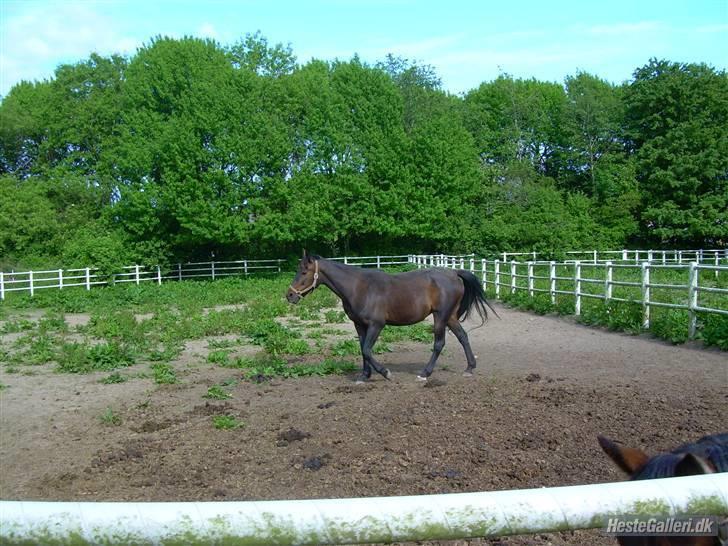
{"x":544,"y":388}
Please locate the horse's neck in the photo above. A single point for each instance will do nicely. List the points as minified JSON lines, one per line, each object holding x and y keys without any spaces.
{"x":340,"y":278}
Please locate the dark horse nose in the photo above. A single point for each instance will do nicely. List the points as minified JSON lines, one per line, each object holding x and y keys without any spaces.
{"x":292,"y":297}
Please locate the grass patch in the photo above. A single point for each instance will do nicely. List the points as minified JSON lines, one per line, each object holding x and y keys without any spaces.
{"x":163,"y":374}
{"x":110,"y":418}
{"x":216,"y":392}
{"x":114,"y":378}
{"x":226,"y":422}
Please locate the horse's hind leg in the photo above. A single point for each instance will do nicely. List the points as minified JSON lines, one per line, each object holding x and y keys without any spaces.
{"x":457,"y":329}
{"x":439,"y":329}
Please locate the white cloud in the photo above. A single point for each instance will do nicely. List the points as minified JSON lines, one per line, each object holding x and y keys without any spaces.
{"x":33,"y":42}
{"x":207,"y":30}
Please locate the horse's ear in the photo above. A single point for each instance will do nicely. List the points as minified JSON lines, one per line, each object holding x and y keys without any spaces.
{"x":692,"y":465}
{"x":628,"y":459}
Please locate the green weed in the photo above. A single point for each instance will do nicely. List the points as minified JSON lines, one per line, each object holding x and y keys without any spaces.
{"x":163,"y":373}
{"x":114,"y":378}
{"x":110,"y":418}
{"x":216,"y":392}
{"x":226,"y":422}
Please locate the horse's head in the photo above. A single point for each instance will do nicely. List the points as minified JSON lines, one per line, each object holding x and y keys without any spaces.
{"x":705,"y":456}
{"x":306,"y":278}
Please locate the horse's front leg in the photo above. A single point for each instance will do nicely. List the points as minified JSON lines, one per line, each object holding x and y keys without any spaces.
{"x":366,"y":371}
{"x":368,"y":335}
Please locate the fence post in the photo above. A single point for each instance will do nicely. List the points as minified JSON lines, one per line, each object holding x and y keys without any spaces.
{"x":645,"y":295}
{"x":624,"y":255}
{"x":379,"y":261}
{"x":472,"y":265}
{"x":608,"y":282}
{"x":245,"y":267}
{"x":505,"y":257}
{"x":552,"y":282}
{"x":717,"y":263}
{"x":32,"y":288}
{"x":679,"y":257}
{"x":649,"y":256}
{"x":159,"y":276}
{"x":663,"y":257}
{"x":60,"y":279}
{"x":700,"y":256}
{"x":530,"y":279}
{"x":534,"y":255}
{"x":692,"y":299}
{"x":595,"y":257}
{"x":577,"y":288}
{"x":136,"y":273}
{"x":279,"y":265}
{"x":179,"y":271}
{"x":497,"y":278}
{"x":212,"y":270}
{"x":88,"y":278}
{"x":636,"y":256}
{"x":346,"y":262}
{"x":513,"y":276}
{"x":483,"y":265}
{"x":2,"y":285}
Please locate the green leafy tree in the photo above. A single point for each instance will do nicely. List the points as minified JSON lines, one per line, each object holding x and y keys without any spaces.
{"x":677,"y":119}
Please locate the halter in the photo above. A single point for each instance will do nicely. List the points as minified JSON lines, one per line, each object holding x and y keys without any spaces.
{"x":313,"y":285}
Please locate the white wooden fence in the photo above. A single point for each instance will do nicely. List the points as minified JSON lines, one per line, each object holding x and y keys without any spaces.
{"x":31,"y":281}
{"x":714,"y":256}
{"x":514,"y":275}
{"x":502,"y":274}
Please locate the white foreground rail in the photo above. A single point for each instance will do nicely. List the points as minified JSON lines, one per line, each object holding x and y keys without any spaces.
{"x":360,"y":520}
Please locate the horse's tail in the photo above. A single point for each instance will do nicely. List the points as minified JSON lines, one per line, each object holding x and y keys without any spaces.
{"x":474,"y":297}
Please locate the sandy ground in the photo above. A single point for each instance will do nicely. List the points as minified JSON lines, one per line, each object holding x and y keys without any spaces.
{"x":544,"y":388}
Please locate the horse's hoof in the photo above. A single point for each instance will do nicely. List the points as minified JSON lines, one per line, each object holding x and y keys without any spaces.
{"x":467,"y":374}
{"x":388,"y":375}
{"x":420,"y":378}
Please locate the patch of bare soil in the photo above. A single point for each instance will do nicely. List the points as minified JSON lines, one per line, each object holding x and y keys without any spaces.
{"x":544,"y":388}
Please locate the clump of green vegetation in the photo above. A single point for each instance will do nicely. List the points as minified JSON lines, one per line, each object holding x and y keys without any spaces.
{"x":84,"y":358}
{"x":216,"y":392}
{"x":219,"y":357}
{"x":226,"y":422}
{"x":114,"y":378}
{"x":110,"y":418}
{"x":163,"y":374}
{"x":332,"y":316}
{"x":714,"y":330}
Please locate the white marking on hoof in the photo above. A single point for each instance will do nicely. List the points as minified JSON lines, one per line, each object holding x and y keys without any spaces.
{"x":467,"y":374}
{"x":388,"y":375}
{"x":476,"y":356}
{"x":420,"y":378}
{"x":359,"y":382}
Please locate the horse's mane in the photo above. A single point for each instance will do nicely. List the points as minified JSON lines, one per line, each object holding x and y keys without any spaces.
{"x":714,"y":448}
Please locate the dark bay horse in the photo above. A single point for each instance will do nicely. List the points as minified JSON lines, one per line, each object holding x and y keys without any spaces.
{"x":706,"y":456}
{"x":373,"y":299}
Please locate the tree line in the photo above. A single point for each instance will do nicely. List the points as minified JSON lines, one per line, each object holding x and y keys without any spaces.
{"x":190,"y":149}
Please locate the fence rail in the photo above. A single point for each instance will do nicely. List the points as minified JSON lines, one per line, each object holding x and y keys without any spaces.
{"x":31,"y":281}
{"x":714,"y":256}
{"x":362,"y":520}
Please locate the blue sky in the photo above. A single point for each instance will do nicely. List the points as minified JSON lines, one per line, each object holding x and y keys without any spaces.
{"x":467,"y":42}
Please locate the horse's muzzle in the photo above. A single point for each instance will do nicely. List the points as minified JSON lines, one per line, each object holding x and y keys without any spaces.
{"x":292,"y":297}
